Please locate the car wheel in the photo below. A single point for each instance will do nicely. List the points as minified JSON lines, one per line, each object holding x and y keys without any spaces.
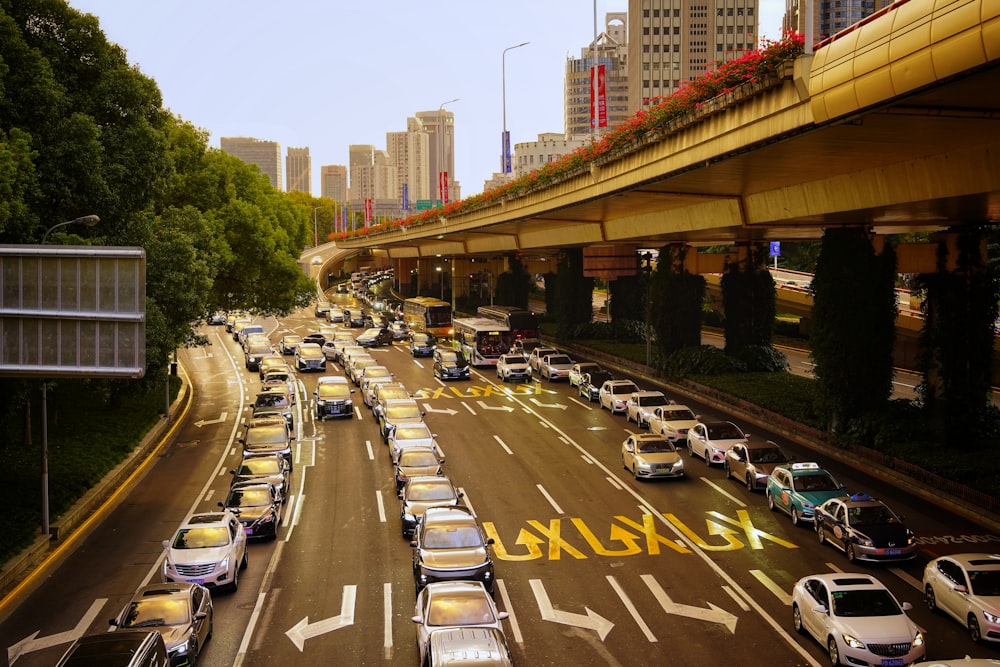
{"x":726,"y":469}
{"x":930,"y":599}
{"x":795,"y":517}
{"x":750,"y":484}
{"x":797,"y":620}
{"x":974,"y":633}
{"x":246,"y":559}
{"x":820,"y":533}
{"x":833,"y":651}
{"x":770,"y":500}
{"x":708,"y":459}
{"x":849,"y":552}
{"x":193,"y":652}
{"x":236,"y":579}
{"x":623,"y":463}
{"x":635,"y":471}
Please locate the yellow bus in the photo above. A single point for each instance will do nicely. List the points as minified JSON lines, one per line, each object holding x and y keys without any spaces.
{"x":425,"y":313}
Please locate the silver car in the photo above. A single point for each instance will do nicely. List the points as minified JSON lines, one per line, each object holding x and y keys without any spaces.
{"x":208,"y":549}
{"x":555,"y":367}
{"x":614,"y":394}
{"x":513,"y":367}
{"x":469,"y":647}
{"x":640,"y":405}
{"x":454,"y":605}
{"x":649,"y":456}
{"x":753,"y":462}
{"x":422,"y":493}
{"x":181,"y":612}
{"x":672,"y":421}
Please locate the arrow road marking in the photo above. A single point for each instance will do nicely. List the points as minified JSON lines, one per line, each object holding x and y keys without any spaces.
{"x":506,"y":408}
{"x":713,"y":615}
{"x":30,"y":643}
{"x":592,"y":621}
{"x":206,"y":422}
{"x":304,"y":630}
{"x":548,"y":405}
{"x":448,"y":411}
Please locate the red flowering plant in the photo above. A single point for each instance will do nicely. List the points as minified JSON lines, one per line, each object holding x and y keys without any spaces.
{"x":757,"y":66}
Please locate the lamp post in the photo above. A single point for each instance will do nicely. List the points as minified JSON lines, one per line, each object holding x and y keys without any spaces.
{"x":505,"y":138}
{"x":315,"y":227}
{"x":87,"y":221}
{"x":440,"y":158}
{"x":440,"y":280}
{"x":647,"y":271}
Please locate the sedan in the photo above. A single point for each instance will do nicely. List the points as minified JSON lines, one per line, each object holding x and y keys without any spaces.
{"x":798,"y":489}
{"x":578,"y":370}
{"x":649,"y":456}
{"x":374,"y":337}
{"x":421,"y":493}
{"x":257,"y":506}
{"x":416,"y":462}
{"x":614,"y":393}
{"x":454,"y":604}
{"x":410,"y":434}
{"x":454,"y":646}
{"x":537,"y":354}
{"x":753,"y":462}
{"x":864,"y":529}
{"x":270,"y":469}
{"x":640,"y":405}
{"x":450,"y":365}
{"x":393,"y":412}
{"x":857,"y":620}
{"x":590,"y":385}
{"x":513,"y":367}
{"x":555,"y":367}
{"x":208,"y":549}
{"x":711,"y":440}
{"x":288,"y":343}
{"x":421,"y":344}
{"x":966,"y":587}
{"x":672,"y":421}
{"x":448,"y":545}
{"x":181,"y":612}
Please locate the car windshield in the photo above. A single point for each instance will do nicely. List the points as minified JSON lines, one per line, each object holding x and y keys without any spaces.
{"x":249,"y":498}
{"x":766,"y":455}
{"x":430,"y":491}
{"x":272,"y":399}
{"x":985,"y":582}
{"x":404,"y":412}
{"x":865,"y":602}
{"x":655,"y":447}
{"x":514,"y":359}
{"x":421,"y":338}
{"x":559,"y":360}
{"x":414,"y":459}
{"x":459,"y":610}
{"x":598,"y":378}
{"x":331,"y":390}
{"x":724,"y":431}
{"x":264,"y":435}
{"x":376,"y":372}
{"x":291,"y":340}
{"x":202,"y":537}
{"x":678,"y":415}
{"x":623,"y":388}
{"x":372,"y":332}
{"x":412,"y":433}
{"x":259,"y":467}
{"x":651,"y":401}
{"x":151,"y":613}
{"x":870,"y":515}
{"x":816,"y":482}
{"x":462,"y":537}
{"x":587,"y":368}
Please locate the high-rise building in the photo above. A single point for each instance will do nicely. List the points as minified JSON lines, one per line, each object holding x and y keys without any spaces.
{"x":333,"y":182}
{"x":829,"y":16}
{"x":409,"y":152}
{"x":611,"y":50}
{"x":298,"y":171}
{"x":674,"y":41}
{"x":373,"y":177}
{"x":551,"y":146}
{"x":265,"y":154}
{"x":440,"y":126}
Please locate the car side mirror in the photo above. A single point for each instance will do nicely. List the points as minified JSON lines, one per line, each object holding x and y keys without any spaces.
{"x":820,"y":609}
{"x":906,"y":606}
{"x":490,"y":542}
{"x":413,"y":543}
{"x":222,"y":505}
{"x":417,"y":619}
{"x":960,"y":588}
{"x":166,"y":544}
{"x":232,"y":472}
{"x":113,"y":621}
{"x":746,"y":435}
{"x":503,"y":615}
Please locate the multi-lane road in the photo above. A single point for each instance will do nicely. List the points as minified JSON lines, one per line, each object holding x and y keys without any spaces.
{"x":593,"y":567}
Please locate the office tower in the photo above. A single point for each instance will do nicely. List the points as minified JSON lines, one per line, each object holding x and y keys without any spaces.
{"x":298,"y":171}
{"x":829,"y":16}
{"x":550,"y":146}
{"x":674,"y":41}
{"x":265,"y":154}
{"x":440,"y":126}
{"x":373,"y":177}
{"x":333,"y":182}
{"x":612,"y":51}
{"x":409,"y":152}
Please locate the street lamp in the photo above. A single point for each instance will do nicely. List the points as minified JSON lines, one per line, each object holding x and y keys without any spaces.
{"x":647,"y":271}
{"x":505,"y":138}
{"x":315,"y":227}
{"x":440,"y":280}
{"x":440,"y":159}
{"x":87,"y":221}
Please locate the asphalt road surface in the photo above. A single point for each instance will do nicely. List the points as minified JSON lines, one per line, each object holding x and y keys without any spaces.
{"x":593,"y":567}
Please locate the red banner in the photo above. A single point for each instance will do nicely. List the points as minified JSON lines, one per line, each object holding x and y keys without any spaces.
{"x":443,"y":186}
{"x":368,"y":212}
{"x":598,"y":97}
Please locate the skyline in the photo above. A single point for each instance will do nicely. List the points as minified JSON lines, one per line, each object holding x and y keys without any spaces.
{"x":244,"y":69}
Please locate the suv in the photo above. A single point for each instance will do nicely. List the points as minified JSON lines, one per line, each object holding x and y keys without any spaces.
{"x":309,"y":357}
{"x":448,"y":544}
{"x":513,"y":367}
{"x":125,"y":648}
{"x":267,"y":436}
{"x":274,"y":403}
{"x":333,"y":398}
{"x":537,"y":354}
{"x":208,"y":549}
{"x":421,"y":344}
{"x":614,"y":394}
{"x":450,"y":364}
{"x":255,"y":352}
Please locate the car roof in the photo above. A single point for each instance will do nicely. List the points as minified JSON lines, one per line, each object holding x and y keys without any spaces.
{"x":205,"y":518}
{"x":847,"y":581}
{"x":804,"y":468}
{"x":448,"y":515}
{"x":976,"y":561}
{"x":648,"y":436}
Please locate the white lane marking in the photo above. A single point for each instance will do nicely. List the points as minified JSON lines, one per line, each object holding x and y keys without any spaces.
{"x":512,"y":619}
{"x":586,"y":406}
{"x":468,"y":407}
{"x":631,"y":609}
{"x":387,"y":619}
{"x":552,"y":502}
{"x":614,"y":482}
{"x":587,"y":459}
{"x":466,"y":501}
{"x":248,"y":633}
{"x":770,"y":585}
{"x":502,"y":444}
{"x":710,"y":614}
{"x":381,"y":506}
{"x":736,"y":598}
{"x":371,"y":453}
{"x":723,"y":492}
{"x":916,"y":583}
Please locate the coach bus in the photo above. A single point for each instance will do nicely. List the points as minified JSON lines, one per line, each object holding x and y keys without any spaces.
{"x":523,"y":324}
{"x":425,"y":313}
{"x":482,"y":340}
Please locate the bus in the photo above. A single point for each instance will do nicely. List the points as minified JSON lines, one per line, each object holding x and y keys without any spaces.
{"x":523,"y":324}
{"x":427,"y":314}
{"x":482,"y":340}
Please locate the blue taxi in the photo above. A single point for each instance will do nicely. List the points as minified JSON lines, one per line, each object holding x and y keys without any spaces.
{"x":798,"y":489}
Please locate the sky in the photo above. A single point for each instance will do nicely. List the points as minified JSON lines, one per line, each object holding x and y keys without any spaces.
{"x":325,"y":74}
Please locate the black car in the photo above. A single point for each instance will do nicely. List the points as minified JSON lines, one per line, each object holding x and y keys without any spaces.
{"x":257,"y":506}
{"x":591,"y":383}
{"x":355,"y":317}
{"x":450,"y":364}
{"x":375,"y":337}
{"x":422,"y":344}
{"x":316,"y":338}
{"x":448,"y":545}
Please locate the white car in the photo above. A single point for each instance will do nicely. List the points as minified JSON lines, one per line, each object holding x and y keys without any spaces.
{"x":851,"y":614}
{"x":513,"y":367}
{"x":535,"y":358}
{"x":966,"y":586}
{"x":370,"y":378}
{"x":640,"y":405}
{"x":412,"y":434}
{"x":335,"y":315}
{"x":614,"y":394}
{"x":208,"y":549}
{"x":454,"y":604}
{"x":672,"y":421}
{"x":649,"y":456}
{"x":711,"y":440}
{"x":555,"y":366}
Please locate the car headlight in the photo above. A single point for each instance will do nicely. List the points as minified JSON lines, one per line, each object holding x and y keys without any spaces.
{"x":320,"y":401}
{"x":918,"y":639}
{"x":992,"y":618}
{"x":864,"y":541}
{"x":852,"y":642}
{"x":807,"y":505}
{"x":679,"y":465}
{"x":645,"y":466}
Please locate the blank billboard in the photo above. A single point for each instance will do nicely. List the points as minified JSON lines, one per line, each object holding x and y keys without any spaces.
{"x":72,"y":311}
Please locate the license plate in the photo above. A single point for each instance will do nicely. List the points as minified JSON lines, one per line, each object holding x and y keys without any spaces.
{"x":196,"y":581}
{"x":248,"y":531}
{"x":893,"y":552}
{"x":892,"y":662}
